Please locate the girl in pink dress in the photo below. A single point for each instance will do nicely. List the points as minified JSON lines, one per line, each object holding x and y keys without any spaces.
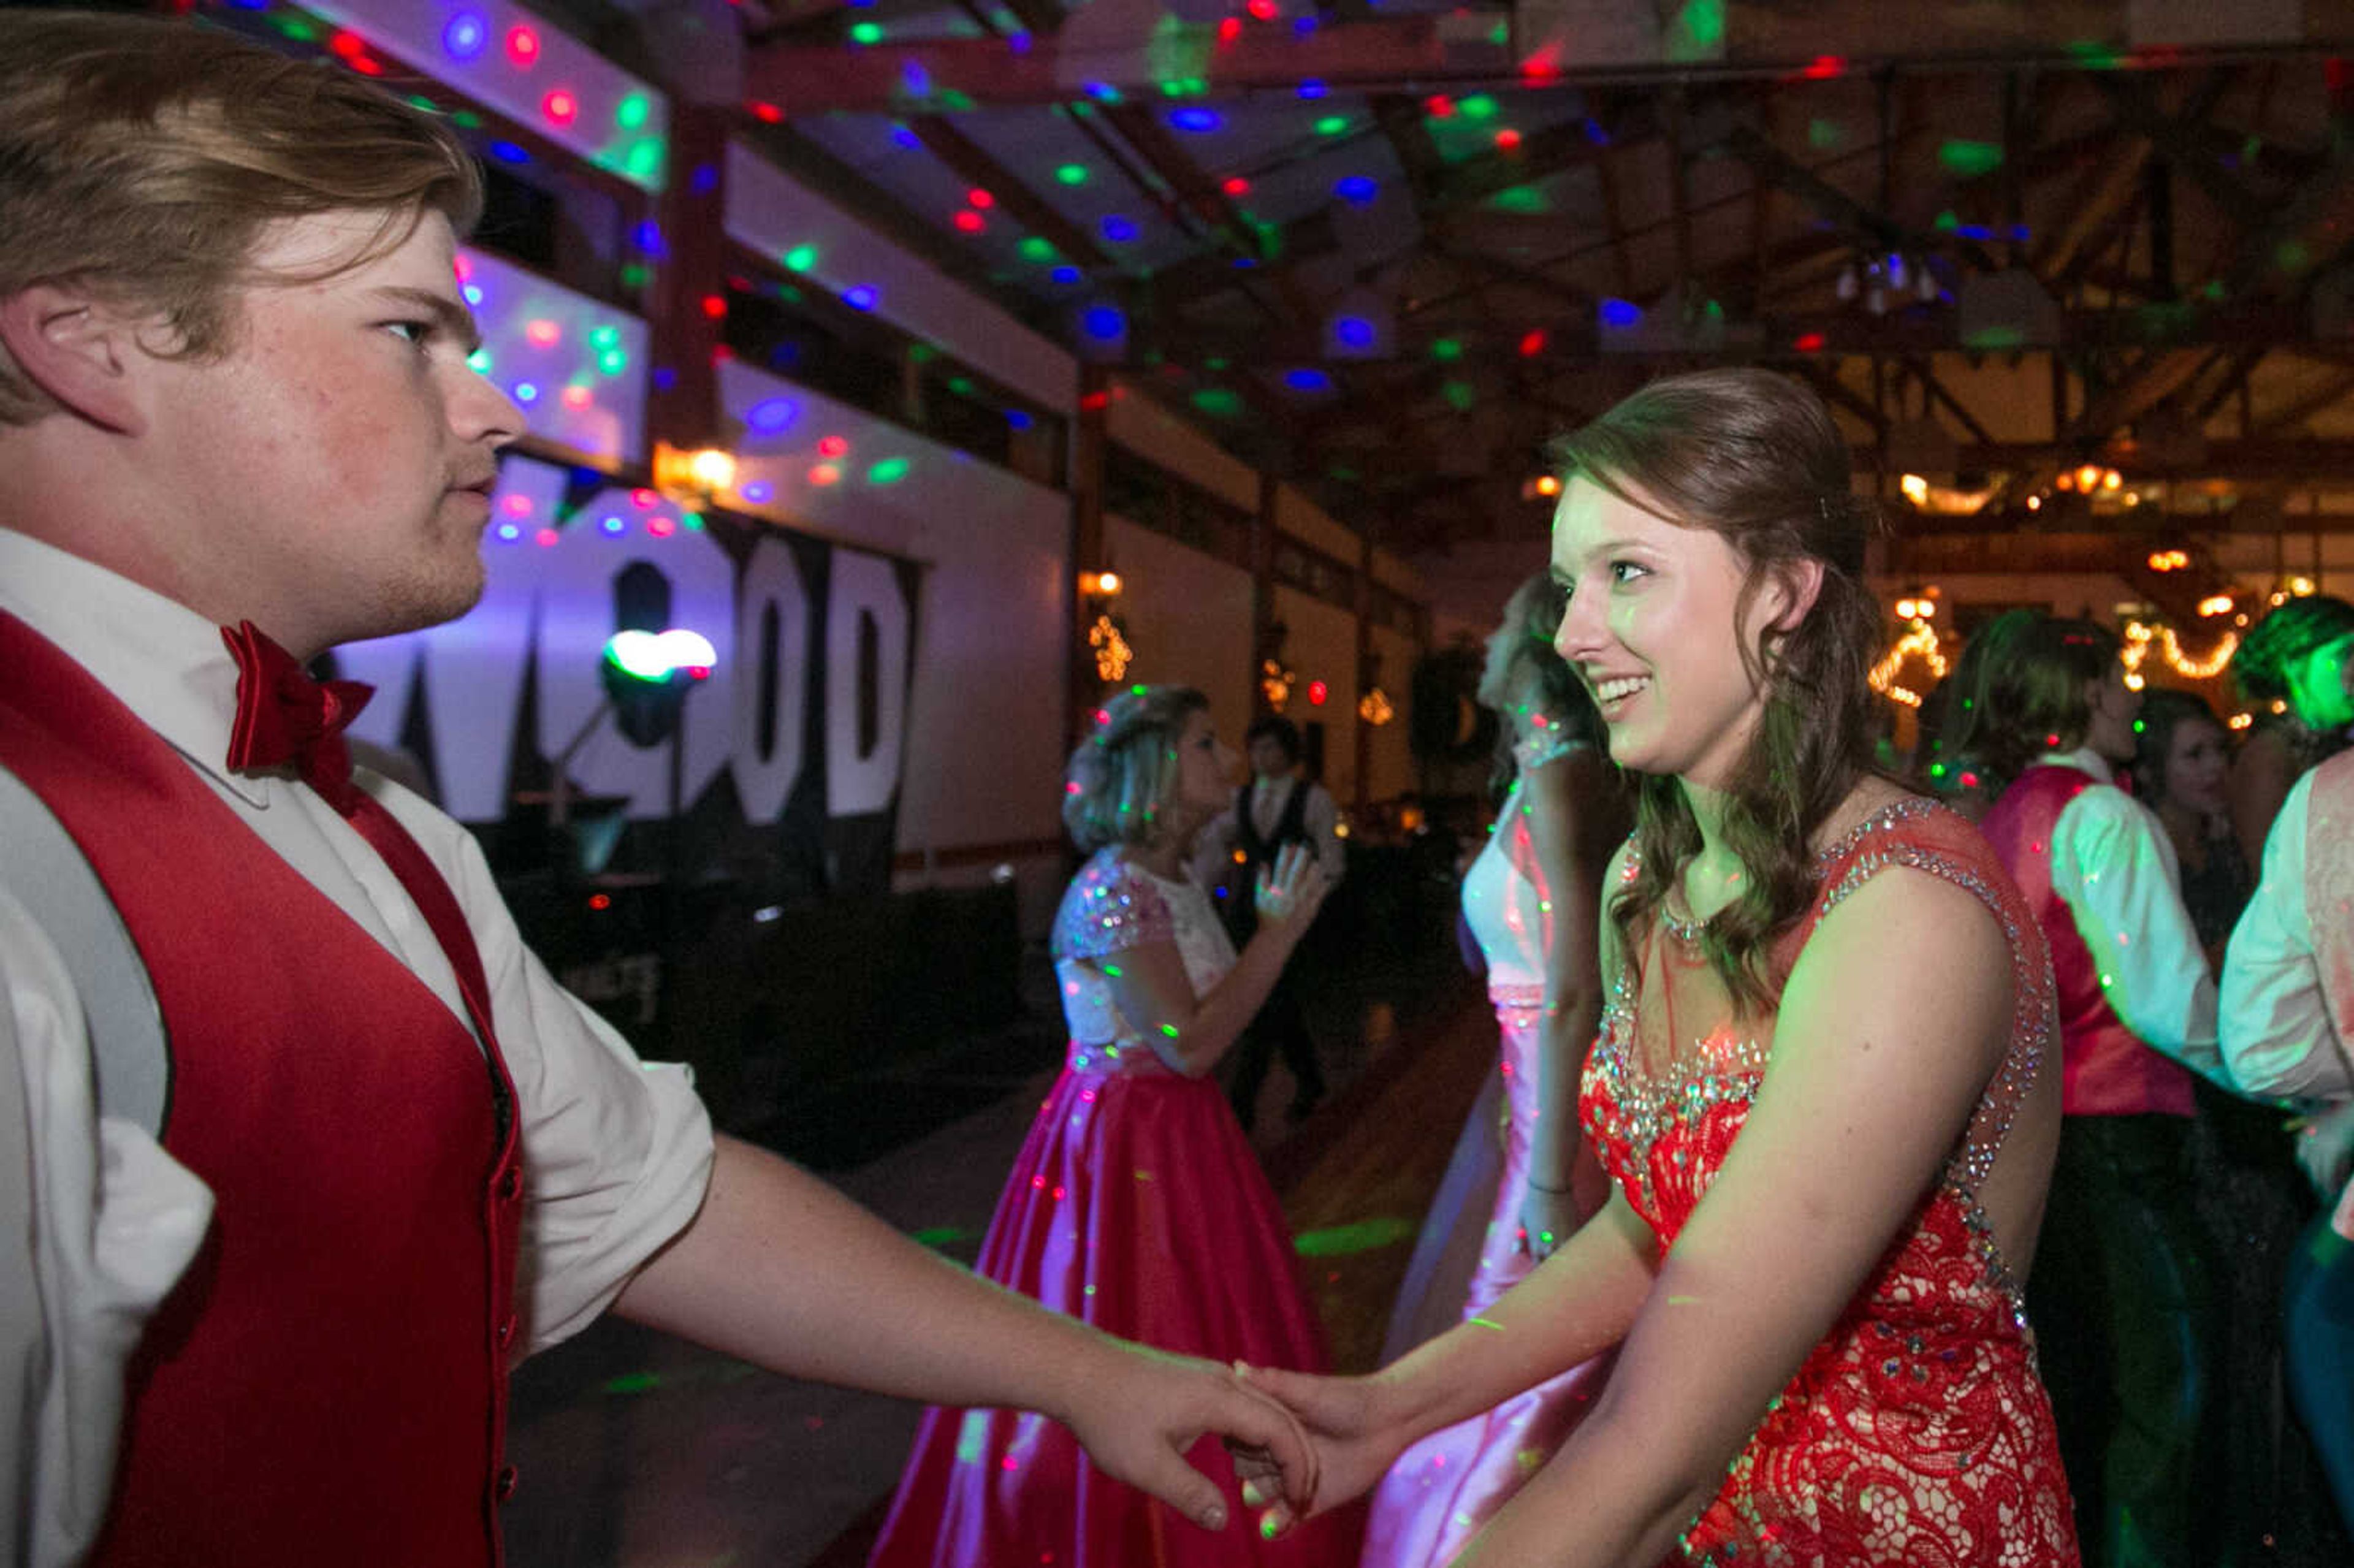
{"x":1137,"y":1202}
{"x":1826,"y":1082}
{"x":1530,"y":898}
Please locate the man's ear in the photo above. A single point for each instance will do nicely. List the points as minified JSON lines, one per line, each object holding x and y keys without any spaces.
{"x":81,"y":351}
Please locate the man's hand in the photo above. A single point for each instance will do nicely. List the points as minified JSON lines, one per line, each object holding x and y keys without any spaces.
{"x":1138,"y":1426}
{"x":1547,"y":1220}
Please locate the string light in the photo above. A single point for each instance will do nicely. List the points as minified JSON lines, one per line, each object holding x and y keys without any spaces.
{"x":1112,"y":650}
{"x":1920,"y":639}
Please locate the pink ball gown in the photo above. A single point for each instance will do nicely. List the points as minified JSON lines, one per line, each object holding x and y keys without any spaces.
{"x":1137,"y":1204}
{"x":1441,"y":1490}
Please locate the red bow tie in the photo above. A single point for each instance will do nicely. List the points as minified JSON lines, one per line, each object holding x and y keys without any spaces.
{"x":286,"y":718}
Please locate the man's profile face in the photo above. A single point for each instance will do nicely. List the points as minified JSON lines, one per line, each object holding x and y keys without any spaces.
{"x":340,"y":454}
{"x":1266,"y":757}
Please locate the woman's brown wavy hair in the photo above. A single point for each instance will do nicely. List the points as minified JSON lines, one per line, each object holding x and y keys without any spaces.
{"x":1755,"y":458}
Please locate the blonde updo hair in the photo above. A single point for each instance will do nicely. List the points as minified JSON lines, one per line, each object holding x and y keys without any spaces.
{"x":1121,"y":780}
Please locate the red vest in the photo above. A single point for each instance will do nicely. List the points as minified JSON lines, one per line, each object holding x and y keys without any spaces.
{"x":327,"y":1383}
{"x":2105,"y":1070}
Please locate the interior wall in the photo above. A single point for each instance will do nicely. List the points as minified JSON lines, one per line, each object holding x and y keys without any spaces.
{"x":1189,"y":618}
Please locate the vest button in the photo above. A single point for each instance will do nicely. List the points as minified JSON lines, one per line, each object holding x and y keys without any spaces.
{"x":507,"y":1330}
{"x":510,"y":1184}
{"x":505,"y":1487}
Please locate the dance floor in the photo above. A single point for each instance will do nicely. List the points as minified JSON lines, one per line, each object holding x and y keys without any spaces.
{"x":639,"y":1451}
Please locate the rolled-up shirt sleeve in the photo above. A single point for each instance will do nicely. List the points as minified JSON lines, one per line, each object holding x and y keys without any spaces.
{"x":2112,"y":865}
{"x":2278,"y":1040}
{"x":617,"y":1152}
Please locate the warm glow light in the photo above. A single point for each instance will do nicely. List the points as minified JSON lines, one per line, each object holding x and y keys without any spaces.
{"x":1112,"y":650}
{"x":1915,"y":489}
{"x":1548,"y":485}
{"x":1099,"y":585}
{"x":2111,"y":479}
{"x":2035,"y":504}
{"x":712,"y":470}
{"x":2216,"y":604}
{"x":2087,"y":477}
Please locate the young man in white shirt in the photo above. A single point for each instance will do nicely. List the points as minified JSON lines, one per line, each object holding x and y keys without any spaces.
{"x":235,"y":413}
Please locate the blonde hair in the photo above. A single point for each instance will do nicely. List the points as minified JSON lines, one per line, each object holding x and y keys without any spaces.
{"x":1121,"y":780}
{"x":143,"y":158}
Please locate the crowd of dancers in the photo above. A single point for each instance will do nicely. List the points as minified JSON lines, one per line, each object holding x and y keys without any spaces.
{"x":1876,"y":1179}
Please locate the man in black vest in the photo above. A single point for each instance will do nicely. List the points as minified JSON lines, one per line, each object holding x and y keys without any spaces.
{"x":1276,"y":808}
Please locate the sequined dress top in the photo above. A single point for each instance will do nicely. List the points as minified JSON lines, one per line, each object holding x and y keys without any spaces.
{"x":1917,"y":1432}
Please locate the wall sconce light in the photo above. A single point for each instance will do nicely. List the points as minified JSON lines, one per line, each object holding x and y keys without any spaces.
{"x":1099,"y":585}
{"x":700,"y":476}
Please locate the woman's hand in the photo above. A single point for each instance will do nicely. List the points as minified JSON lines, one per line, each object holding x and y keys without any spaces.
{"x":2324,"y":1149}
{"x":1547,"y":1220}
{"x":1290,"y":891}
{"x":1352,"y":1428}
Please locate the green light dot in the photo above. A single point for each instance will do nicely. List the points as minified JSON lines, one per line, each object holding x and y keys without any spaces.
{"x":866,"y":32}
{"x":1459,"y":394}
{"x":1072,"y":174}
{"x":960,"y":385}
{"x":1446,"y":349}
{"x":1036,"y":248}
{"x":801,"y":258}
{"x":1970,"y":159}
{"x":634,"y":276}
{"x":1331,"y":125}
{"x":1169,"y":1029}
{"x":691,"y":521}
{"x":1478,"y":106}
{"x":644,"y":160}
{"x":1218,"y":401}
{"x":479,"y":361}
{"x":890,"y":471}
{"x":466,"y":120}
{"x":417,"y":101}
{"x":630,"y":113}
{"x":613,"y":361}
{"x":295,"y":28}
{"x":1112,"y":969}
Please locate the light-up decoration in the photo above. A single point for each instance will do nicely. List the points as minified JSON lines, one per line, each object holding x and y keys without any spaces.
{"x":1275,"y":683}
{"x":1112,"y":650}
{"x":1317,"y":693}
{"x":2140,"y":638}
{"x":1374,"y":707}
{"x":655,"y":656}
{"x":574,"y":365}
{"x":1919,"y":640}
{"x":538,"y":76}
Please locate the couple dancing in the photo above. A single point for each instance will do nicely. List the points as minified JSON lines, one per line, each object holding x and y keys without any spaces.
{"x":1808,"y":1266}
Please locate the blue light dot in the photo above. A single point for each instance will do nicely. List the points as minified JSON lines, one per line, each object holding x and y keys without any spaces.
{"x":1196,"y":120}
{"x":1303,"y":25}
{"x":1104,"y":322}
{"x":1620,"y":314}
{"x":1018,"y":419}
{"x":526,"y":392}
{"x":704,"y":180}
{"x":1305,"y":380}
{"x":906,"y":138}
{"x":1118,"y":229}
{"x":508,"y":152}
{"x":1357,"y":188}
{"x":473,"y":293}
{"x":649,"y":237}
{"x":756,"y":492}
{"x":1065,"y":274}
{"x":612,"y":524}
{"x":861,"y":298}
{"x":1019,"y":42}
{"x":1356,"y":331}
{"x":1312,"y":90}
{"x":508,"y":531}
{"x":772,"y":414}
{"x":464,"y":35}
{"x":664,"y":378}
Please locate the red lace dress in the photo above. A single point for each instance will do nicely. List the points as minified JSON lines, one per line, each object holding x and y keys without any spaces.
{"x":1917,"y":1432}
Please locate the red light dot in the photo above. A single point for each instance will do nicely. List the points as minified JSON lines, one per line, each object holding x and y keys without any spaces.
{"x":832,"y":445}
{"x":824,"y":474}
{"x":1317,"y":693}
{"x":1808,"y":343}
{"x":544,"y":538}
{"x":1094,"y":402}
{"x":1507,"y":138}
{"x":767,"y":113}
{"x":1825,"y":65}
{"x":1265,"y":10}
{"x":971,"y":221}
{"x":543,"y":333}
{"x":644,"y":500}
{"x":715,"y":306}
{"x":1440,"y":106}
{"x":517,"y":505}
{"x":662,"y":527}
{"x":343,"y":46}
{"x":1236,"y":185}
{"x":560,"y":107}
{"x":523,"y":45}
{"x":980,"y":198}
{"x":1532,"y":345}
{"x":1229,"y":29}
{"x":577,"y":398}
{"x":365,"y":66}
{"x":600,"y":901}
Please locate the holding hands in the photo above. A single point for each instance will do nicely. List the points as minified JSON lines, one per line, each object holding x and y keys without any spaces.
{"x":1139,"y":1428}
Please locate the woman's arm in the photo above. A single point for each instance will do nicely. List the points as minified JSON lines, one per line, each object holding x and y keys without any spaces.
{"x":1567,"y":800}
{"x":1191,"y":1033}
{"x":1879,"y":1061}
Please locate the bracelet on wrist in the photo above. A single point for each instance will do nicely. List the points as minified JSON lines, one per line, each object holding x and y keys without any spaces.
{"x":1556,"y":1192}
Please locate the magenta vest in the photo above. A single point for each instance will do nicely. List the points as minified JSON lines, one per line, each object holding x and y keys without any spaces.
{"x":2105,"y":1070}
{"x":327,"y":1382}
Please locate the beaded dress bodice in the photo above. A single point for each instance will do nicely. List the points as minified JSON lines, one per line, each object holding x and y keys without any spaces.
{"x":1114,"y":904}
{"x":1505,"y":898}
{"x":1916,"y":1432}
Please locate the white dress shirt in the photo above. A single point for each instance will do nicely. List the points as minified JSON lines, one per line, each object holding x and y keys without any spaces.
{"x":2116,"y":869}
{"x":616,"y":1153}
{"x":2278,"y":1038}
